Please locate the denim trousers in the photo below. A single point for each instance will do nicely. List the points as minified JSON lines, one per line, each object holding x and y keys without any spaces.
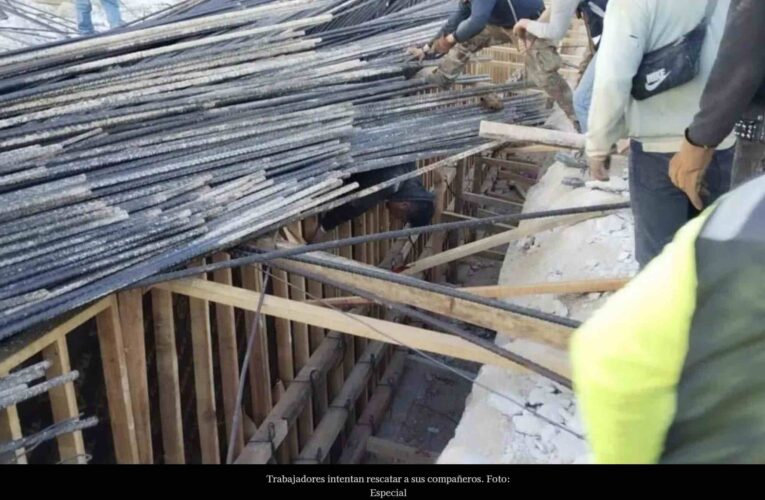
{"x":85,"y":20}
{"x":658,"y":206}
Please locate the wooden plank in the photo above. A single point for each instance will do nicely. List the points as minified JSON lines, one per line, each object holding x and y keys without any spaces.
{"x":315,"y":334}
{"x":10,"y":429}
{"x":117,"y":385}
{"x":259,"y":371}
{"x":497,"y":240}
{"x":133,"y":333}
{"x":371,"y":328}
{"x":373,"y":414}
{"x":286,"y":367}
{"x":333,"y":422}
{"x":228,"y":354}
{"x":520,"y":133}
{"x":519,"y":166}
{"x":19,"y":348}
{"x":507,"y":291}
{"x":488,"y":317}
{"x":481,"y":200}
{"x":492,"y":229}
{"x":290,"y":405}
{"x":301,"y":343}
{"x":280,"y":430}
{"x":204,"y":377}
{"x":71,"y":448}
{"x":397,"y":452}
{"x":171,"y":418}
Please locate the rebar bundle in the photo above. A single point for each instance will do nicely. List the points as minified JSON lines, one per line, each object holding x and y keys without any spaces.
{"x":130,"y":153}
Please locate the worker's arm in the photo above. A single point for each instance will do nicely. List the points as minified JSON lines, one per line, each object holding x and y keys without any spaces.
{"x":555,"y":22}
{"x":480,"y":12}
{"x":737,"y":75}
{"x":457,"y":17}
{"x":627,"y":359}
{"x":625,"y":36}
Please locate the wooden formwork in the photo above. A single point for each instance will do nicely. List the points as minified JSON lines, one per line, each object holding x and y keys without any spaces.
{"x":171,"y":355}
{"x":150,"y":340}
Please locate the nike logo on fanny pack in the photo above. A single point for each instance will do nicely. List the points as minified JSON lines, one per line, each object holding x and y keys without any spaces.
{"x":653,"y":80}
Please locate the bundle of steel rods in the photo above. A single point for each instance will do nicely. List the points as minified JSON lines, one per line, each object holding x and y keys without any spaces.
{"x":15,"y":388}
{"x":130,"y":153}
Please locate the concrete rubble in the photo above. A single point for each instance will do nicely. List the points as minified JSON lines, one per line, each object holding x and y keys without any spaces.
{"x":495,"y":429}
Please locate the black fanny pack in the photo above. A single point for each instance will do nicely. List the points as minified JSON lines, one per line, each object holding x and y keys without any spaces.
{"x":672,"y":65}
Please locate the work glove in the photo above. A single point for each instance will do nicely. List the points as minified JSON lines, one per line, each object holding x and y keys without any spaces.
{"x":418,"y":53}
{"x":687,"y":168}
{"x":519,"y":30}
{"x":599,"y":167}
{"x":443,"y":45}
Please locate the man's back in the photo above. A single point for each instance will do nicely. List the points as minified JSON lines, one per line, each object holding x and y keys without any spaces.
{"x":634,"y":28}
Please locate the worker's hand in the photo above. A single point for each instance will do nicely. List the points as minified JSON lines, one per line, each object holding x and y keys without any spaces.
{"x":520,"y":28}
{"x":599,"y":167}
{"x":687,"y":168}
{"x":444,"y":44}
{"x":418,"y":53}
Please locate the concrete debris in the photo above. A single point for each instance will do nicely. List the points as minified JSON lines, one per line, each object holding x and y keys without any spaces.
{"x":595,"y":248}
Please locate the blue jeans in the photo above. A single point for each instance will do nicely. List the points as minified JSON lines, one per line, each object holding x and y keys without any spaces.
{"x":583,"y":95}
{"x":659,"y":207}
{"x":85,"y":21}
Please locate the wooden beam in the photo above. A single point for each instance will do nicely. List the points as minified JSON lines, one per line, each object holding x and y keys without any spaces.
{"x":371,"y":328}
{"x":397,"y":452}
{"x":520,"y":133}
{"x":536,"y":148}
{"x":19,"y":348}
{"x":117,"y":385}
{"x":553,"y":287}
{"x":10,"y":429}
{"x":477,"y":314}
{"x":481,"y":199}
{"x":204,"y":377}
{"x":71,"y":448}
{"x":372,"y":416}
{"x":131,"y":319}
{"x":514,"y":165}
{"x":507,"y":291}
{"x":274,"y":428}
{"x":333,"y":422}
{"x":228,"y":353}
{"x":497,"y":240}
{"x":492,"y":229}
{"x":259,"y":371}
{"x":286,"y":367}
{"x":171,"y":418}
{"x":279,"y":432}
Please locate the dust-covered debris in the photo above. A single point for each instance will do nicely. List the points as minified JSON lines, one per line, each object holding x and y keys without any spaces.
{"x":499,"y":424}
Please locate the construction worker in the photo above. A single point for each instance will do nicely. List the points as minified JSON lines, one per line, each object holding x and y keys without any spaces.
{"x":670,"y":369}
{"x":407,"y":201}
{"x":734,"y":96}
{"x":553,"y":25}
{"x":633,"y":30}
{"x":85,"y":20}
{"x":477,"y":24}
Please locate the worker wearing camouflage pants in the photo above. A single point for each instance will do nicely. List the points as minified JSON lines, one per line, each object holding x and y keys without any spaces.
{"x":541,"y":59}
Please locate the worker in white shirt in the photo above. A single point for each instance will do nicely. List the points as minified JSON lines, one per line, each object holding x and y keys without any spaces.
{"x":647,"y":49}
